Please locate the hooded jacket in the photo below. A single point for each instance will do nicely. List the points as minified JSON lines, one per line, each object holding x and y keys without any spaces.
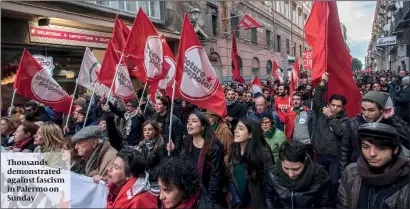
{"x":133,"y":194}
{"x":327,"y":132}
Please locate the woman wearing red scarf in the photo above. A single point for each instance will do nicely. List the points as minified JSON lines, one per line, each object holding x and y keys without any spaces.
{"x":128,"y":182}
{"x":179,"y":185}
{"x":24,"y":137}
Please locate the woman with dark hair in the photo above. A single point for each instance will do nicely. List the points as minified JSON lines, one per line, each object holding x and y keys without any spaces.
{"x":24,"y":138}
{"x":205,"y":150}
{"x":129,"y":182}
{"x":295,"y":181}
{"x":180,"y":187}
{"x":250,"y":158}
{"x":375,"y":86}
{"x":152,"y":146}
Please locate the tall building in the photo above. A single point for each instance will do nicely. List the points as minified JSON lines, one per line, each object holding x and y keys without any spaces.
{"x":57,"y":32}
{"x":389,"y":48}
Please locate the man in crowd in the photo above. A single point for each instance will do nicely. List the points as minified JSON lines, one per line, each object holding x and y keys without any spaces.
{"x":402,"y":100}
{"x":397,"y":83}
{"x":248,"y":102}
{"x":385,"y":87}
{"x":236,"y":110}
{"x":329,"y":122}
{"x":163,"y":117}
{"x":100,"y":153}
{"x":39,"y":113}
{"x":133,"y":121}
{"x":261,"y":107}
{"x":376,"y":108}
{"x":269,"y":98}
{"x":282,"y":102}
{"x":380,"y":178}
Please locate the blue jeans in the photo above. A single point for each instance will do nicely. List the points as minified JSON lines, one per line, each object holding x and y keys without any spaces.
{"x":332,"y":166}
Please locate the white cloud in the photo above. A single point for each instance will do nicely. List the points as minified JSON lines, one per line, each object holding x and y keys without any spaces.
{"x":357,"y":16}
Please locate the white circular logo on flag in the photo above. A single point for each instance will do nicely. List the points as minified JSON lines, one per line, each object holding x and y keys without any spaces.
{"x":167,"y":81}
{"x":256,"y":88}
{"x":199,"y":80}
{"x":46,"y":89}
{"x":153,"y":55}
{"x":123,"y":86}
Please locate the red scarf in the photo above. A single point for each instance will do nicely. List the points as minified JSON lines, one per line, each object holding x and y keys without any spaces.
{"x":18,"y":146}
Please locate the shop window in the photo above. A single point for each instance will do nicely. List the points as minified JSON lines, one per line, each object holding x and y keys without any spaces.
{"x":151,"y":8}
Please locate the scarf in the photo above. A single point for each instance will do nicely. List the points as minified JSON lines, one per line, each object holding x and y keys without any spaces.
{"x":304,"y":179}
{"x":148,"y":145}
{"x":229,"y":103}
{"x":397,"y":169}
{"x":269,"y":134}
{"x":298,"y":110}
{"x":94,"y":161}
{"x":128,"y":118}
{"x":18,"y":146}
{"x":215,"y":126}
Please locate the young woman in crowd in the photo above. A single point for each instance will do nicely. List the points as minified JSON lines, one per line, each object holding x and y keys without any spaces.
{"x":205,"y":150}
{"x":152,"y":146}
{"x":249,"y":159}
{"x":375,"y":86}
{"x":295,"y":181}
{"x":24,"y":138}
{"x":68,"y":152}
{"x":179,"y":185}
{"x":48,"y":138}
{"x":102,"y":123}
{"x":7,"y":128}
{"x":273,"y":136}
{"x":128,"y":182}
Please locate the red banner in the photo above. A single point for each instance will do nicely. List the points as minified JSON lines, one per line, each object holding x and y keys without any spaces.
{"x":64,"y":35}
{"x":307,"y":59}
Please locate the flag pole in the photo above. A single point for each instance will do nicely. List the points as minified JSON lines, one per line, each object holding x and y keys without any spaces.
{"x":89,"y":105}
{"x":142,"y":95}
{"x":115,"y":77}
{"x":170,"y":114}
{"x":12,"y":102}
{"x":71,"y":105}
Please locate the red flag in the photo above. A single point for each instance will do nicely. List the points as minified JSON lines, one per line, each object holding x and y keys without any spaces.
{"x":330,"y":54}
{"x":292,"y":86}
{"x":296,"y":67}
{"x":33,"y":82}
{"x":169,"y":66}
{"x":248,"y":22}
{"x":275,"y":72}
{"x":195,"y":77}
{"x":120,"y":34}
{"x":236,"y":74}
{"x":256,"y":85}
{"x":144,"y":50}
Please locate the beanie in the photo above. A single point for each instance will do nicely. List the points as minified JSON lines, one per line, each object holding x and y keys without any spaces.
{"x":381,"y":98}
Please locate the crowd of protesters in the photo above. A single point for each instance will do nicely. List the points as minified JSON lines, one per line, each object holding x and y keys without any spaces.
{"x":273,"y":150}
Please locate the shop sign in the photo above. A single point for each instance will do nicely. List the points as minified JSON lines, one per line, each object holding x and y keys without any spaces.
{"x":386,"y":41}
{"x":307,"y":59}
{"x":46,"y":63}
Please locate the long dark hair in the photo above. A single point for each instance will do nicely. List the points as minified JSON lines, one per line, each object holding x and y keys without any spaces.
{"x":158,"y":131}
{"x":209,"y":138}
{"x":254,"y":155}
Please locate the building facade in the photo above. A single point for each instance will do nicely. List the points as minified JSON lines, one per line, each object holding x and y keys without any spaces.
{"x":389,"y":48}
{"x":59,"y":32}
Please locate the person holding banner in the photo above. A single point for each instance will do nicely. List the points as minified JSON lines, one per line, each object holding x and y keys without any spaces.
{"x":129,"y":185}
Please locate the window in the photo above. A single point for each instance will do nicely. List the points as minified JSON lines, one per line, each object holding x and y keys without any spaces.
{"x":287,"y":45}
{"x":268,"y":3}
{"x":300,"y":50}
{"x":287,"y":9}
{"x":294,"y":49}
{"x":294,"y":19}
{"x":234,"y":23}
{"x":151,"y":8}
{"x":305,"y":19}
{"x":301,"y":24}
{"x":278,"y":42}
{"x":254,"y":35}
{"x":278,"y":6}
{"x":268,"y":38}
{"x":214,"y":18}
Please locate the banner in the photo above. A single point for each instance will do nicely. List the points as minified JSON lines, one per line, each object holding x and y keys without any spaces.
{"x":307,"y":60}
{"x":123,"y":86}
{"x":166,"y":83}
{"x":33,"y":82}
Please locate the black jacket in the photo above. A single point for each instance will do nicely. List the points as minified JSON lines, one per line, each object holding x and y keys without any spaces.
{"x":279,"y":196}
{"x":213,"y":175}
{"x":402,"y":103}
{"x":177,"y":130}
{"x":237,"y":111}
{"x":350,"y":150}
{"x":114,"y":135}
{"x":135,"y":135}
{"x":153,"y":158}
{"x":327,"y":132}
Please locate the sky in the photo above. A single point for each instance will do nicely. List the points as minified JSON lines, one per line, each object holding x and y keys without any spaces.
{"x":357,"y":16}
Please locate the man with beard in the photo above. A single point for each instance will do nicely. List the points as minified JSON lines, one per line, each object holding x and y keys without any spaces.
{"x":385,"y":87}
{"x":266,"y":94}
{"x":376,"y":108}
{"x":236,"y":110}
{"x":261,"y":108}
{"x":248,"y":102}
{"x":282,"y":102}
{"x":380,"y":178}
{"x":328,"y":124}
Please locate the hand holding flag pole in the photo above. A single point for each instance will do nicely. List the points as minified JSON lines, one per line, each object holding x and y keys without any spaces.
{"x":12,"y":102}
